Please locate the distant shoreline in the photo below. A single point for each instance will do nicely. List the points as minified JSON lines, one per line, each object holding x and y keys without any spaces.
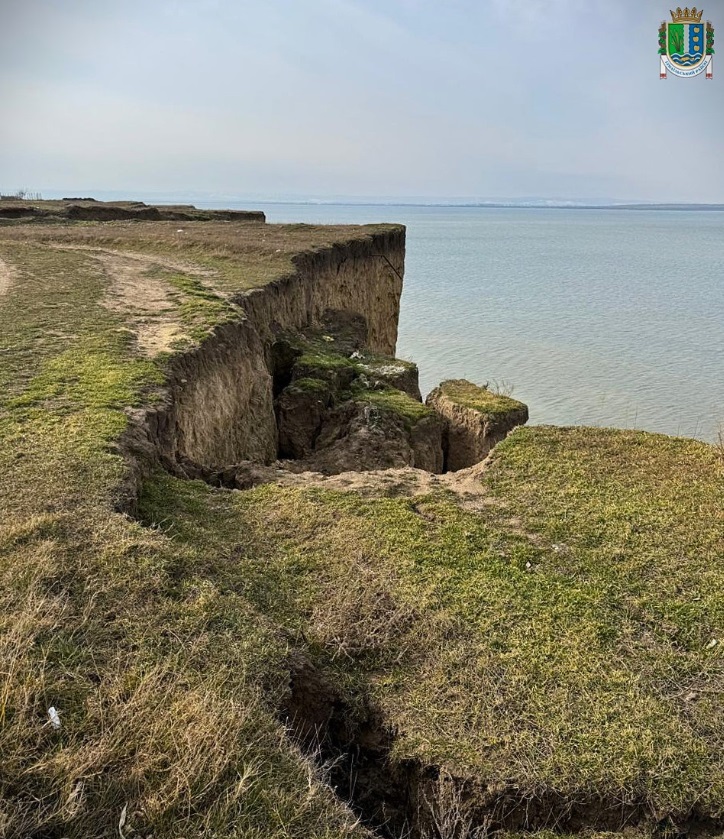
{"x":225,"y":201}
{"x":493,"y":206}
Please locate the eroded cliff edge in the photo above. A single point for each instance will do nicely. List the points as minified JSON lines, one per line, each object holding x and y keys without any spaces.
{"x":218,"y":408}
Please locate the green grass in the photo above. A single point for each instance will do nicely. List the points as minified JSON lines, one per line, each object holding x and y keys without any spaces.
{"x":479,"y":398}
{"x":317,"y":357}
{"x":199,"y":308}
{"x":373,"y":362}
{"x":311,"y":385}
{"x":552,"y":643}
{"x":166,"y":681}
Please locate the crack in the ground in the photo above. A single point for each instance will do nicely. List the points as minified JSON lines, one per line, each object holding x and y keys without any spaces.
{"x":398,"y":798}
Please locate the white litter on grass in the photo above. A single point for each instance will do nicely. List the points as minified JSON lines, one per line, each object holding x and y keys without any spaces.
{"x":122,"y":821}
{"x":386,"y":369}
{"x":356,"y":354}
{"x":712,"y":644}
{"x":54,"y":718}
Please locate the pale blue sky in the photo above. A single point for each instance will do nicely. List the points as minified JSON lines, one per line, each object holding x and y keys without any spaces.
{"x":396,"y":98}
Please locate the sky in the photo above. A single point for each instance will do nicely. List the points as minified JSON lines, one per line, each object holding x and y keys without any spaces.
{"x":406,"y":99}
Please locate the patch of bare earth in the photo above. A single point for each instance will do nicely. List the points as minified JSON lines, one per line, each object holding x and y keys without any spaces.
{"x":7,"y":272}
{"x":145,"y":300}
{"x":466,"y":484}
{"x":183,"y":266}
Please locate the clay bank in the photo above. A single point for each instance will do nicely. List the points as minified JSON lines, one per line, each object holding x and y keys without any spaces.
{"x":269,"y":591}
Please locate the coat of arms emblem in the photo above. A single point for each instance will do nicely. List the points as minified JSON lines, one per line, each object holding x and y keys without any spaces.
{"x":686,"y":45}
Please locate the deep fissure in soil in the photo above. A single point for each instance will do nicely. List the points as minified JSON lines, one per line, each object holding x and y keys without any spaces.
{"x":350,"y":742}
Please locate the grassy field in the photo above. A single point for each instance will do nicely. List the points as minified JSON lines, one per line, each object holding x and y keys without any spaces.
{"x":563,"y":642}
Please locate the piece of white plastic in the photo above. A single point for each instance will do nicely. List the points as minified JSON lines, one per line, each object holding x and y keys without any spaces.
{"x":122,"y":821}
{"x":54,"y":718}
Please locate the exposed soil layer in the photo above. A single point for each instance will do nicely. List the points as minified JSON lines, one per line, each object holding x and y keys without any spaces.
{"x":475,"y":420}
{"x":219,"y":406}
{"x":87,"y":209}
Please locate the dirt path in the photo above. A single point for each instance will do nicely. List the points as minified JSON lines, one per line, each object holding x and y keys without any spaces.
{"x":7,"y":273}
{"x":190,"y":268}
{"x":148,"y":302}
{"x":466,"y":484}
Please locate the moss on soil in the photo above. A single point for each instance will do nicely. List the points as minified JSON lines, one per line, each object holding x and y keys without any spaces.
{"x":320,"y":359}
{"x":311,"y":386}
{"x":479,"y":398}
{"x":395,"y":402}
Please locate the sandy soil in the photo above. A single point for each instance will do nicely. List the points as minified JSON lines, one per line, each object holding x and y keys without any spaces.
{"x":145,"y":300}
{"x":407,"y":482}
{"x":465,"y":484}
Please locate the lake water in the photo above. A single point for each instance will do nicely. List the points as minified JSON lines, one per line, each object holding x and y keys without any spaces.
{"x":591,"y":317}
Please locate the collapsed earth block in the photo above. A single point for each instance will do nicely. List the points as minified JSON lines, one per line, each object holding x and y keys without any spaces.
{"x":475,"y":420}
{"x":355,"y":410}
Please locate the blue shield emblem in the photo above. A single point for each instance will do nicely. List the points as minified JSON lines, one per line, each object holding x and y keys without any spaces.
{"x":685,"y":44}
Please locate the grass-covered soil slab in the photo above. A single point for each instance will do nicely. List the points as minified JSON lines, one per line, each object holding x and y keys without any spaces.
{"x":476,"y":418}
{"x":551,"y":660}
{"x":341,"y":407}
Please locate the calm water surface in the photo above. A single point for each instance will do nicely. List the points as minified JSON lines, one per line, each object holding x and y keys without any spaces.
{"x":610,"y":318}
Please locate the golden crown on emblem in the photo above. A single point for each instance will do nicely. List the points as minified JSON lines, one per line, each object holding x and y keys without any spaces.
{"x":687,"y":15}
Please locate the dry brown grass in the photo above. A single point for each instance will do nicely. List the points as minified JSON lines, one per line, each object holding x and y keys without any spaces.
{"x":242,"y":256}
{"x":360,"y":616}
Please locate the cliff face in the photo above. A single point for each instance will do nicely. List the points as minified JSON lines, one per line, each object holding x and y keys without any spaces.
{"x":88,"y":209}
{"x":219,"y":408}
